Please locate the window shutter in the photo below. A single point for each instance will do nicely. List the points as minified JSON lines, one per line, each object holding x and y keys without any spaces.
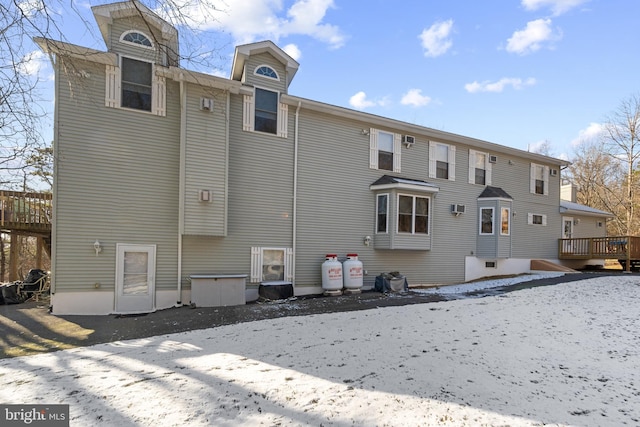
{"x":530,"y":218}
{"x":256,"y":264}
{"x":432,"y":159}
{"x":248,"y":113}
{"x":544,"y":220}
{"x":397,"y":149}
{"x":545,"y":177}
{"x":532,"y":178}
{"x":283,"y":120}
{"x":159,"y":96}
{"x":472,"y":166}
{"x":112,"y":86}
{"x":373,"y":149}
{"x":288,"y":265}
{"x":452,"y":163}
{"x":487,"y":169}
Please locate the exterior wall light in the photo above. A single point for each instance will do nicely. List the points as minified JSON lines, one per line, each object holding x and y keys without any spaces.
{"x":97,"y":247}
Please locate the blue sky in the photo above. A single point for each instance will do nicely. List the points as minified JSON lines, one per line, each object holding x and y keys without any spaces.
{"x":512,"y":72}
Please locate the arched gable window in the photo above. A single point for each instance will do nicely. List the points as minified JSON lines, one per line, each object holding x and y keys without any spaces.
{"x":266,"y":71}
{"x":136,"y":37}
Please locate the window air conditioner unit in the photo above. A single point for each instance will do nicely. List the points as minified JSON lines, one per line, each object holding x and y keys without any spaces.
{"x":408,"y":140}
{"x":206,"y":104}
{"x":493,"y":159}
{"x":457,"y":209}
{"x":553,"y":172}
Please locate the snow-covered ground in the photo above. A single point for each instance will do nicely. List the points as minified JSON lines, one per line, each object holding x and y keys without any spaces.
{"x":567,"y":354}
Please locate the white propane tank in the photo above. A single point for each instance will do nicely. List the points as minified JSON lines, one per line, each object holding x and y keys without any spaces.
{"x":331,"y":273}
{"x":353,"y":272}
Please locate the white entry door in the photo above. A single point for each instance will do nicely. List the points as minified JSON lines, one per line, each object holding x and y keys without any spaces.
{"x":135,"y":278}
{"x":567,"y":233}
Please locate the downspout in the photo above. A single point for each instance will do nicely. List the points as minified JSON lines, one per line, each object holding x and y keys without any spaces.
{"x":183,"y":148}
{"x":295,"y":195}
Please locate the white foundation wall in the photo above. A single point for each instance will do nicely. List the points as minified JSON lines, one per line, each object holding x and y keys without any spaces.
{"x":475,"y":268}
{"x":102,"y":302}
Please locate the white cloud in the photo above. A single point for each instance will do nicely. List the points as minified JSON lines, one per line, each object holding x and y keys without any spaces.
{"x":533,"y":37}
{"x":415,"y":98}
{"x":293,"y":51}
{"x":591,"y":133}
{"x":33,"y":63}
{"x":359,"y":101}
{"x":558,"y":7}
{"x":500,"y":85}
{"x":435,"y":39}
{"x":248,"y":21}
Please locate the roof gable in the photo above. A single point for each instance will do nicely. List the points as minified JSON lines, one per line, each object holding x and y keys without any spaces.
{"x":246,"y":50}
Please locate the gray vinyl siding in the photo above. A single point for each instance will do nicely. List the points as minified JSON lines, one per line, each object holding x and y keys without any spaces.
{"x":121,"y":26}
{"x":206,"y":160}
{"x":587,"y":226}
{"x":260,"y":201}
{"x":116,"y":181}
{"x":262,"y":81}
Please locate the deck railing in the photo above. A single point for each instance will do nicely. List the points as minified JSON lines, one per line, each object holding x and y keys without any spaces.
{"x":25,"y":211}
{"x":611,"y":247}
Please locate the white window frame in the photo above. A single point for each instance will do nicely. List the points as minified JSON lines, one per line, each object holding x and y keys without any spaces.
{"x":472,"y":167}
{"x":451,"y":154}
{"x":493,"y":221}
{"x":387,"y":213}
{"x":255,"y":72}
{"x":508,"y":211}
{"x":257,"y":258}
{"x":530,"y":219}
{"x":113,"y":89}
{"x":373,"y":149}
{"x":413,"y":215}
{"x":533,"y":177}
{"x":123,"y":35}
{"x":249,"y":114}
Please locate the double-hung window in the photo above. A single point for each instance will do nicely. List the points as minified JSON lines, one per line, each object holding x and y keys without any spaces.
{"x":505,"y":221}
{"x":384,"y":150}
{"x":486,"y":221}
{"x":413,"y":214}
{"x":271,"y":264}
{"x":382,"y":213}
{"x":442,"y":161}
{"x":263,"y":112}
{"x":539,"y":183}
{"x":134,"y":84}
{"x":266,"y":119}
{"x":479,"y":168}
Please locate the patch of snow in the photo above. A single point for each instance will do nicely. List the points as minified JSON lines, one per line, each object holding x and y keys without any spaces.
{"x":485,"y":284}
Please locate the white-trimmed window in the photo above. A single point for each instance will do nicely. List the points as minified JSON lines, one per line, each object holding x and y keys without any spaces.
{"x":413,"y":214}
{"x":382,"y":213}
{"x":486,"y":221}
{"x":264,"y":113}
{"x":537,"y":219}
{"x":442,"y":161}
{"x":133,"y":84}
{"x":137,"y":38}
{"x":384,"y":150}
{"x":479,"y":168}
{"x":266,"y":71}
{"x":505,"y":221}
{"x":271,"y":264}
{"x":539,"y":179}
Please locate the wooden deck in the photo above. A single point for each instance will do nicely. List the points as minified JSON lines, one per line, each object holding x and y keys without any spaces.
{"x":625,"y":249}
{"x":25,"y":213}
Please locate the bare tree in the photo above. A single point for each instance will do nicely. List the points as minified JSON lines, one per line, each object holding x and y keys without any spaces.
{"x":22,"y":144}
{"x":622,"y":142}
{"x":600,"y":182}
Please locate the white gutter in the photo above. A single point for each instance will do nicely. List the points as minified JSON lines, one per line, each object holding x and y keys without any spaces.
{"x":183,"y":139}
{"x":295,"y":195}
